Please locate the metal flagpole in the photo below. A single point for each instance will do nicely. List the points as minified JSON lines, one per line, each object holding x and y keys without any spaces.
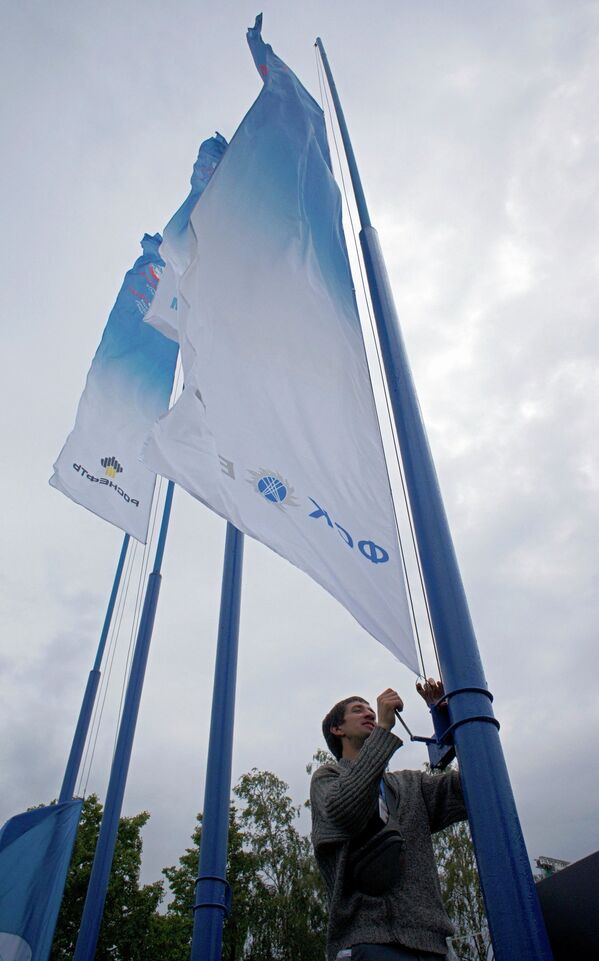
{"x":513,"y":911}
{"x":87,"y":705}
{"x":213,"y":895}
{"x":98,"y":884}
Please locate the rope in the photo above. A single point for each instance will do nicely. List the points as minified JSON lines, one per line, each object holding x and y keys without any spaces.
{"x":115,"y":633}
{"x":143,"y":577}
{"x":324,"y":98}
{"x":92,"y":740}
{"x":99,"y":703}
{"x":141,"y":588}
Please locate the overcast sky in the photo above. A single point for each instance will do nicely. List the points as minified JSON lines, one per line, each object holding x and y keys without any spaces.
{"x":476,"y":128}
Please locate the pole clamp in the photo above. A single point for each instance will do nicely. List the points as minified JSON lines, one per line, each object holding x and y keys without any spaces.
{"x":466,"y":720}
{"x":212,"y":891}
{"x":446,"y":737}
{"x":463,"y":690}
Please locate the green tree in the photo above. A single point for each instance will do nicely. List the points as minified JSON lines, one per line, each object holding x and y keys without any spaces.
{"x":278,"y":907}
{"x":126,"y":927}
{"x":288,"y":902}
{"x":320,"y":757}
{"x":279,"y":903}
{"x":175,"y":928}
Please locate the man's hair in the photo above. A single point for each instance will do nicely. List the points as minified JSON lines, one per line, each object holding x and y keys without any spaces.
{"x":334,"y":718}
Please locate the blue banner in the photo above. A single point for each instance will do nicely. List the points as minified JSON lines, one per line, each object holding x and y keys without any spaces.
{"x":35,"y":852}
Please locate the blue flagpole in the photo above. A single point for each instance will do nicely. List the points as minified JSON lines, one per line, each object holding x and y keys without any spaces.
{"x":98,"y":884}
{"x":515,"y":921}
{"x":87,"y":705}
{"x":213,"y":897}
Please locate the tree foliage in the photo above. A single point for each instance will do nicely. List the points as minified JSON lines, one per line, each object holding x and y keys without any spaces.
{"x":125,"y":932}
{"x":286,"y":893}
{"x":279,"y":903}
{"x":278,"y":906}
{"x":174,"y":929}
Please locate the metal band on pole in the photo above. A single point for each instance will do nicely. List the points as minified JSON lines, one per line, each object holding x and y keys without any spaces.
{"x":515,"y":921}
{"x":213,"y":896}
{"x":91,"y":920}
{"x":87,"y":705}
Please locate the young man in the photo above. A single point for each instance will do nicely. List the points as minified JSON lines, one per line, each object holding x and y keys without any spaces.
{"x":371,"y":832}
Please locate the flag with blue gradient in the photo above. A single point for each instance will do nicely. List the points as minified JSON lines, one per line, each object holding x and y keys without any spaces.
{"x":178,"y":243}
{"x":35,"y":852}
{"x":128,"y":386}
{"x":277,"y":429}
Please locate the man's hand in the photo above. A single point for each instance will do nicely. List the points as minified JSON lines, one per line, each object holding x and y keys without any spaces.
{"x":387,"y":704}
{"x":431,"y":691}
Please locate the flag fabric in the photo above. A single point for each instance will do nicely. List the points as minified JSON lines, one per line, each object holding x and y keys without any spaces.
{"x":162,"y":315}
{"x":35,"y":852}
{"x":276,"y":429}
{"x":178,"y":243}
{"x":128,"y":387}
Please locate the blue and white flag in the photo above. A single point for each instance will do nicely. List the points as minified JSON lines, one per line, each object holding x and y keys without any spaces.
{"x":35,"y":852}
{"x":277,"y":428}
{"x":128,"y":386}
{"x":178,"y":243}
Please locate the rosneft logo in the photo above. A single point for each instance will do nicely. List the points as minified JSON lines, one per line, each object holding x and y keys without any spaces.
{"x":111,"y":469}
{"x":111,"y":466}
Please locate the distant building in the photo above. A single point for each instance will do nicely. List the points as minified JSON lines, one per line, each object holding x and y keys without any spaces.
{"x":550,"y":866}
{"x":569,"y":900}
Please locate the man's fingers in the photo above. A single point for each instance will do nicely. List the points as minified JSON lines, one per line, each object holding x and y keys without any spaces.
{"x":387,"y":704}
{"x":391,"y":698}
{"x":431,"y":690}
{"x":387,"y":695}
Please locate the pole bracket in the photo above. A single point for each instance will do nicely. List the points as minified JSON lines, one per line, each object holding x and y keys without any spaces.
{"x":212,"y":891}
{"x":441,"y":748}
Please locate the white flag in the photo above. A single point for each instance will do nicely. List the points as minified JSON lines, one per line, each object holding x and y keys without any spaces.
{"x":178,"y":244}
{"x":128,"y":387}
{"x":276,"y":429}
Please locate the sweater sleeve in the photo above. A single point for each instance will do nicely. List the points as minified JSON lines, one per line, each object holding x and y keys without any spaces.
{"x":443,"y":798}
{"x":344,"y":797}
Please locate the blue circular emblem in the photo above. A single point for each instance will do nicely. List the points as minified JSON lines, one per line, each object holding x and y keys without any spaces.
{"x":272,"y":489}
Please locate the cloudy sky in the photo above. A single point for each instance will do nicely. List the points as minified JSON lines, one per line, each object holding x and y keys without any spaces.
{"x":476,"y":128}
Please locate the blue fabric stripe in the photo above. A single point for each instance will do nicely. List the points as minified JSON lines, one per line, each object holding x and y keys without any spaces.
{"x":35,"y":852}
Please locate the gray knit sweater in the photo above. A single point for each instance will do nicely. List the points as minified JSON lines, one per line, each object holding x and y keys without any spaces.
{"x":344,"y":796}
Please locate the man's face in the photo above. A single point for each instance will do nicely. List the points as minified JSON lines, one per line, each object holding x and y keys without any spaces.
{"x":358,"y":722}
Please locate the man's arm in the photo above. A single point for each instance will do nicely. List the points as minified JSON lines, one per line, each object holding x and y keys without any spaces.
{"x":444,"y":800}
{"x":348,"y":796}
